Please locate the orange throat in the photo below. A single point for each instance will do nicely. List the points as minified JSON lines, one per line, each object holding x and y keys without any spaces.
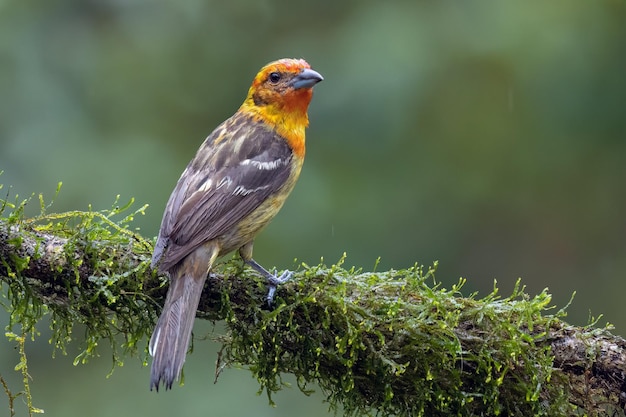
{"x":288,"y":118}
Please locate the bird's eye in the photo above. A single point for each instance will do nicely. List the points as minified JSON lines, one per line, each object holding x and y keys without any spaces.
{"x":274,"y":77}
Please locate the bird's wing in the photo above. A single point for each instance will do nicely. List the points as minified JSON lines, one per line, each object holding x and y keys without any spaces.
{"x":238,"y":167}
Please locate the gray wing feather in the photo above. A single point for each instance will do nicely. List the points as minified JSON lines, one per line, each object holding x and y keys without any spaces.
{"x":220,"y":187}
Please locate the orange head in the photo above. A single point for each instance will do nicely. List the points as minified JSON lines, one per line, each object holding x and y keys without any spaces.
{"x":280,"y":95}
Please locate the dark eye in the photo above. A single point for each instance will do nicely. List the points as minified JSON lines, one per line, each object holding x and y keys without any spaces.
{"x":274,"y":77}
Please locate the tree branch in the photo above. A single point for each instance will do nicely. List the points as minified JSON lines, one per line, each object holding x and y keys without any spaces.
{"x":384,"y":342}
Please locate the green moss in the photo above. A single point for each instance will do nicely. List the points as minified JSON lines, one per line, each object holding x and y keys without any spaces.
{"x":377,"y":343}
{"x":390,"y":344}
{"x":95,"y":281}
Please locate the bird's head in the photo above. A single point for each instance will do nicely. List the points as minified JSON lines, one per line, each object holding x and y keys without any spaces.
{"x":283,"y":87}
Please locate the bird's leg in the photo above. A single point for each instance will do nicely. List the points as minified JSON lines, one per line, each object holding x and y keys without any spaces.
{"x":273,"y":280}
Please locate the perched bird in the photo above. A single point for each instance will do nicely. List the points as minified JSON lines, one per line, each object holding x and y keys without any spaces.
{"x":236,"y":183}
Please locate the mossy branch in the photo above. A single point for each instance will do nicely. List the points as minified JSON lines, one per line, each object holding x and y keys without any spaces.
{"x":387,"y":343}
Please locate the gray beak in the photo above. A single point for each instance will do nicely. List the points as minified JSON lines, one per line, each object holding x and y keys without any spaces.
{"x":306,"y":79}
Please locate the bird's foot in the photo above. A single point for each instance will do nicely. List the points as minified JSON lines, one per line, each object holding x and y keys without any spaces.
{"x":273,"y":281}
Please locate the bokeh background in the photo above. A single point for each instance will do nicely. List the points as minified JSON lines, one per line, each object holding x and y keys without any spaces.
{"x":490,"y":136}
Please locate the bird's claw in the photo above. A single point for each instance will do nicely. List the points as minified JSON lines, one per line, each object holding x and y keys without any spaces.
{"x":274,"y":281}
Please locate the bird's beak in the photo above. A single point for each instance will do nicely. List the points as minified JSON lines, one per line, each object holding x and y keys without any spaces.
{"x":306,"y":79}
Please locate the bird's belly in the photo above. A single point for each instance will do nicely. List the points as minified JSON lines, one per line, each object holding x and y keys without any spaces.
{"x":252,"y":224}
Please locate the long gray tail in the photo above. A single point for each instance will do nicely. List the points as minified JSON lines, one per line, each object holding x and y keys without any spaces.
{"x":171,"y":336}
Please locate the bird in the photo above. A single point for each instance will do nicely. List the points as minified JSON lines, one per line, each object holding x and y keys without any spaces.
{"x":236,"y":183}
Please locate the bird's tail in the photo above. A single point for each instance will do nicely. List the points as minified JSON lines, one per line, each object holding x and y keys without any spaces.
{"x":171,"y":336}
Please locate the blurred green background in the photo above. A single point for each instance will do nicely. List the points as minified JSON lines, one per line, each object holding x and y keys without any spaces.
{"x":490,"y":136}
